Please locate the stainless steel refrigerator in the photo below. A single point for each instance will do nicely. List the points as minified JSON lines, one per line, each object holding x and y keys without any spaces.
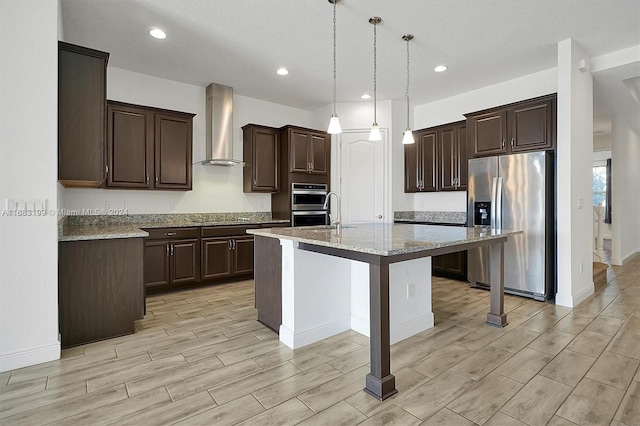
{"x":515,"y":192}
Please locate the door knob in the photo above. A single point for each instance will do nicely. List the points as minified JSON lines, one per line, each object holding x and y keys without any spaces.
{"x":379,"y":216}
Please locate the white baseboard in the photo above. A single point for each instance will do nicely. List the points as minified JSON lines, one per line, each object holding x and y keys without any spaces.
{"x":409,"y":328}
{"x":360,"y":325}
{"x":29,"y":357}
{"x":571,"y":301}
{"x":399,"y":332}
{"x":298,"y":340}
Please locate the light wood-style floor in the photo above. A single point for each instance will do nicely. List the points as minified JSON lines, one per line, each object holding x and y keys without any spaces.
{"x":200,"y":357}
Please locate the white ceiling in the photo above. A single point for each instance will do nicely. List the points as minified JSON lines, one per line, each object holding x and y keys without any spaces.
{"x":241,"y":43}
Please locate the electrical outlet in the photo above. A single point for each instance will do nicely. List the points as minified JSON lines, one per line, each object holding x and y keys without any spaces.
{"x":411,"y":290}
{"x":172,"y":206}
{"x":580,"y":204}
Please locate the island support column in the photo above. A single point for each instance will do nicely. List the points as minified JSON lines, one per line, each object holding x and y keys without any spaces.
{"x":380,"y":383}
{"x":496,"y":316}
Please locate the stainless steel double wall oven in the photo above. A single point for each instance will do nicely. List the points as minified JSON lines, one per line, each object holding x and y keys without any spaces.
{"x":307,"y":204}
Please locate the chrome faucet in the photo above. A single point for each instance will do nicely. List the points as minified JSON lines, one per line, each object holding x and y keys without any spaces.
{"x":335,"y":222}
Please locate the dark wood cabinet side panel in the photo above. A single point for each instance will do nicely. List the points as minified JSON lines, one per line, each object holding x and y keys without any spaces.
{"x":173,"y":152}
{"x":81,"y":115}
{"x":100,"y":286}
{"x":268,"y":281}
{"x":411,"y":171}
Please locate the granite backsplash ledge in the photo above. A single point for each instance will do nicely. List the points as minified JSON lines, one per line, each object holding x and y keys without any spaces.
{"x":431,"y":216}
{"x":168,"y":219}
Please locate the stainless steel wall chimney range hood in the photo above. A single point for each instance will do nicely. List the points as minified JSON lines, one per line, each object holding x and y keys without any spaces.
{"x":219,"y":114}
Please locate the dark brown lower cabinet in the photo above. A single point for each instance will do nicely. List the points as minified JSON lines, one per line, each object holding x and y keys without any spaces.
{"x":268,"y":282}
{"x":171,"y":257}
{"x":100,"y":289}
{"x":452,"y":265}
{"x":227,"y":251}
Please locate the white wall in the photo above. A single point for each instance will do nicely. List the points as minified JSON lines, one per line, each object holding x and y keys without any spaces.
{"x":452,"y":109}
{"x":574,"y":176}
{"x":215,"y":189}
{"x":28,"y":171}
{"x":625,"y":187}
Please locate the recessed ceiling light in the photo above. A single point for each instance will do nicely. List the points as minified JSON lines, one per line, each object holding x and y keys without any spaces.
{"x":366,"y":96}
{"x":282,"y":71}
{"x":440,"y":68}
{"x":157,"y":33}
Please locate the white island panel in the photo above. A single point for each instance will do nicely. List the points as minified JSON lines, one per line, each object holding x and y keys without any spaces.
{"x":326,"y":295}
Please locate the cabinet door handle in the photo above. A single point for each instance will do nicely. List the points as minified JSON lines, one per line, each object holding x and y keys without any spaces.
{"x":230,"y":244}
{"x":513,"y":142}
{"x":168,"y":249}
{"x":234,"y":244}
{"x":170,"y":234}
{"x":147,"y":179}
{"x":156,"y":180}
{"x":172,"y":249}
{"x":503,"y":143}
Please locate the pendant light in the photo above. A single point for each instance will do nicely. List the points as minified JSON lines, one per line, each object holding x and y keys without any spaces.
{"x":408,"y":139}
{"x":334,"y":122}
{"x":374,"y":135}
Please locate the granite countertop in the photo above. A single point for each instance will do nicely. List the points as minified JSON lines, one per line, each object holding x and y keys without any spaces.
{"x":100,"y":232}
{"x":98,"y":229}
{"x":386,"y":239}
{"x":450,"y":218}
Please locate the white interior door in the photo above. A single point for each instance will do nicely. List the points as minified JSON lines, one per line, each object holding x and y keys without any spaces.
{"x":363,"y":177}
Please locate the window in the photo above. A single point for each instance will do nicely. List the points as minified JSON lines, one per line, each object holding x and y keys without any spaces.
{"x":599,"y":185}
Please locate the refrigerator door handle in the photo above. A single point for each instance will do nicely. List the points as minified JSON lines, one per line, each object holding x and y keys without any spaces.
{"x":496,"y":203}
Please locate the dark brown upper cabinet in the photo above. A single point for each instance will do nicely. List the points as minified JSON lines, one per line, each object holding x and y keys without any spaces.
{"x":148,"y":147}
{"x":82,"y":94}
{"x":524,"y":126}
{"x":420,"y":165}
{"x":452,"y":157}
{"x":309,"y":151}
{"x":261,"y":151}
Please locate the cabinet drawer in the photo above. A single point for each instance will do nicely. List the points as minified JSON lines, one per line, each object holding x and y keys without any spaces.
{"x":226,"y":231}
{"x":172,"y":233}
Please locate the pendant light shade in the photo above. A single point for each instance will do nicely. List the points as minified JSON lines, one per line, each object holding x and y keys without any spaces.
{"x":374,"y":135}
{"x":408,"y":139}
{"x":334,"y":122}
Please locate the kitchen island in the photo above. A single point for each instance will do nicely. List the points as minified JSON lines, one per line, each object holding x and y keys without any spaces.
{"x":321,"y":267}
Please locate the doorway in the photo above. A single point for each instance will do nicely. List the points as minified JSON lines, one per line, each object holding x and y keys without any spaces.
{"x":363,"y":179}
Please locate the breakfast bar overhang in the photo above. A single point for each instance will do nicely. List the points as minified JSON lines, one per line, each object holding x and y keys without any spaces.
{"x":381,"y":245}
